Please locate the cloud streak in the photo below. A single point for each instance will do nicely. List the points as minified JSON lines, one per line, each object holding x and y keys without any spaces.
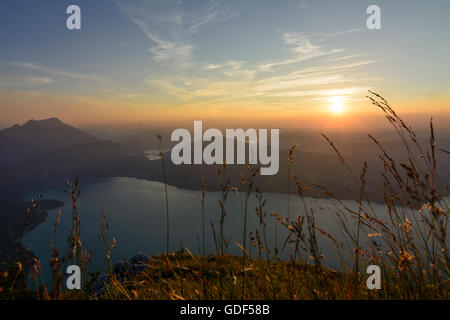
{"x":56,"y":72}
{"x":313,"y":82}
{"x":25,"y":80}
{"x":170,"y":25}
{"x":301,"y":49}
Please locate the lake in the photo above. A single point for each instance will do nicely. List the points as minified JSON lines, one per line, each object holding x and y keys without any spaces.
{"x":135,"y":210}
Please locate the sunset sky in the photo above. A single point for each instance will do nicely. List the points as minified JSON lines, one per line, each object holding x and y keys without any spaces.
{"x":278,"y":63}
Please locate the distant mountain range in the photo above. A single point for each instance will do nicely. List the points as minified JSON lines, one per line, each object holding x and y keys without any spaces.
{"x":44,"y":153}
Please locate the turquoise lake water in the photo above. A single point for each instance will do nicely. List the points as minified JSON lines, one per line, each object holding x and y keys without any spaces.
{"x":135,"y":211}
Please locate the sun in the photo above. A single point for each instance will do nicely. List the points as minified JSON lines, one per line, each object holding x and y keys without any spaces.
{"x":337,"y":105}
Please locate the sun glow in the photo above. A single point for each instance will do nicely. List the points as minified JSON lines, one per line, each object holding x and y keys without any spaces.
{"x":337,"y":105}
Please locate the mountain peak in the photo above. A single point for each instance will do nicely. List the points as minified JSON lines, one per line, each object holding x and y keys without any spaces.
{"x":44,"y":122}
{"x":43,"y":136}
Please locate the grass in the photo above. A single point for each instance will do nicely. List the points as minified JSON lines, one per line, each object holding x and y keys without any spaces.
{"x":410,"y":246}
{"x":181,"y":276}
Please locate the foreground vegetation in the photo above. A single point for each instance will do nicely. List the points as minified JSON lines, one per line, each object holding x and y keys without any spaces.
{"x":410,"y":246}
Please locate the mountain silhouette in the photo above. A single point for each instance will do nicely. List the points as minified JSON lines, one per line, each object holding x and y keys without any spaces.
{"x":36,"y":137}
{"x":41,"y":153}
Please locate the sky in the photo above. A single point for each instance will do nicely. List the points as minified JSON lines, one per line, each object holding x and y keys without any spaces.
{"x":283,"y":63}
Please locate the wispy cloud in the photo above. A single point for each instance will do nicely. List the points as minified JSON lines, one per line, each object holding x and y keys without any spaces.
{"x":341,"y":33}
{"x":38,"y":80}
{"x":324,"y":93}
{"x":170,"y":24}
{"x":56,"y":72}
{"x":297,"y":73}
{"x":347,"y":57}
{"x":24,"y":80}
{"x":232,"y":68}
{"x":353,"y":65}
{"x":313,"y":82}
{"x":301,"y":49}
{"x":210,"y":66}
